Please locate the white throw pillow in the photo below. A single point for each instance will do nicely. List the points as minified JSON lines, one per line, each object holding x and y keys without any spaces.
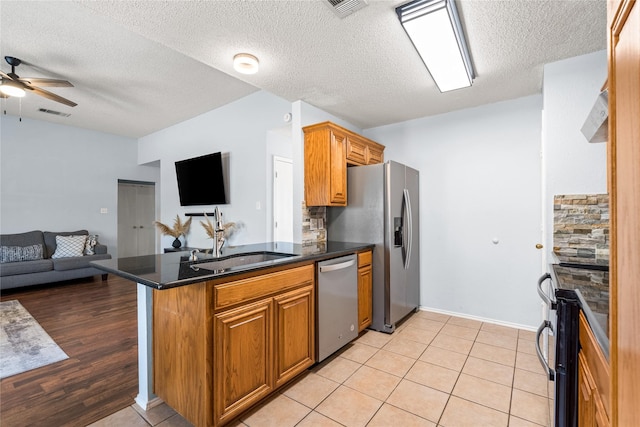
{"x":69,"y":246}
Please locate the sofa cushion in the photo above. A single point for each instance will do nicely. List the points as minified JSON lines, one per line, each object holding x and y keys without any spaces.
{"x":23,"y":239}
{"x":20,"y":253}
{"x":25,"y":267}
{"x":61,"y":264}
{"x":50,"y":239}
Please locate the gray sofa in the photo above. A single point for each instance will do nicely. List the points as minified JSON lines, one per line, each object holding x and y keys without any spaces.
{"x":42,"y":268}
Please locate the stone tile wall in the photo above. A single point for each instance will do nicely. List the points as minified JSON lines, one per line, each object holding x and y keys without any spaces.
{"x":314,"y":224}
{"x":581,"y":227}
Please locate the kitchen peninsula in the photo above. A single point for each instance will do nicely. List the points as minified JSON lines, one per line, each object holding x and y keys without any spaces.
{"x":218,"y":335}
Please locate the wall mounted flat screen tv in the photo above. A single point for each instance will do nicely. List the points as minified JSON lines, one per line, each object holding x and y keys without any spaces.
{"x":201,"y":180}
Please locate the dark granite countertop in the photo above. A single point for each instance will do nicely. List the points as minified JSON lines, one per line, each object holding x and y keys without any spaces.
{"x":170,"y":270}
{"x":591,"y":285}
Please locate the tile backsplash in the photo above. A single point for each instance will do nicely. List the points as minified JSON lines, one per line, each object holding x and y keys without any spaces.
{"x":581,"y":227}
{"x":314,"y":224}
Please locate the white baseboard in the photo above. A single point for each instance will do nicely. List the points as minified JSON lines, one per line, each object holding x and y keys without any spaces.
{"x":480,"y":319}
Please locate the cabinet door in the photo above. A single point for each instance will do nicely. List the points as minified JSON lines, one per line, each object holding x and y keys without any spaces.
{"x":338,"y":170}
{"x":356,"y":151}
{"x":365,"y":302}
{"x":374,"y":155}
{"x":294,"y":333}
{"x":586,"y":408}
{"x":243,"y":358}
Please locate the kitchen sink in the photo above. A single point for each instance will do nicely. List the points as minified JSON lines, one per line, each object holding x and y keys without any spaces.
{"x":239,"y":260}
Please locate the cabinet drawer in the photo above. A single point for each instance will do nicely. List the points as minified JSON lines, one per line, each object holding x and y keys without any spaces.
{"x":364,"y":259}
{"x":243,"y":290}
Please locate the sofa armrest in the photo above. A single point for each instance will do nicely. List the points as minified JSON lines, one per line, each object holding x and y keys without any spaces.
{"x":100,"y":249}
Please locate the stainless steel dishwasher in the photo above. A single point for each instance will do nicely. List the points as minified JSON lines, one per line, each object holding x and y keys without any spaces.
{"x":337,"y":304}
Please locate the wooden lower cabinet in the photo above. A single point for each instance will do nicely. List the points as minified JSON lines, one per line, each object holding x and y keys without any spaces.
{"x":593,"y":381}
{"x":211,"y":365}
{"x":294,"y":339}
{"x":243,"y":362}
{"x":365,"y":290}
{"x":591,"y":411}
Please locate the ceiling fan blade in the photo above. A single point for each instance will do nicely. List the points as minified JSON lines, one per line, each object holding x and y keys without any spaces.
{"x":51,"y":96}
{"x":6,"y":76}
{"x":45,"y":82}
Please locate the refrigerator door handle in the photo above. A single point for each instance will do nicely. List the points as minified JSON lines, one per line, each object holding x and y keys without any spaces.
{"x":408,"y":241}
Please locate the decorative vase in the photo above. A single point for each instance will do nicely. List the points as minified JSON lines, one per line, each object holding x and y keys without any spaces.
{"x":176,"y":243}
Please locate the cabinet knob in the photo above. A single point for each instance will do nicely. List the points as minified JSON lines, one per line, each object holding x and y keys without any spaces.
{"x":539,"y":246}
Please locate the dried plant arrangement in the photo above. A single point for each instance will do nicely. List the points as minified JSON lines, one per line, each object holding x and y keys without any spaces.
{"x":179,"y":228}
{"x":210,"y":228}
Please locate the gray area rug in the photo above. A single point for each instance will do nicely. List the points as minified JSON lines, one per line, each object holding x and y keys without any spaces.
{"x":24,"y":345}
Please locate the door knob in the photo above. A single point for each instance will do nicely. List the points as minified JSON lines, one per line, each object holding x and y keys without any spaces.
{"x":539,"y":246}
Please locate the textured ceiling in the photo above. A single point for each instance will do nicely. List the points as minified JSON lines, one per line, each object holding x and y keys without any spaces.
{"x":141,"y":66}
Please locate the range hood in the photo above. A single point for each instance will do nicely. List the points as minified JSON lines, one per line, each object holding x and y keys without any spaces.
{"x":595,"y":128}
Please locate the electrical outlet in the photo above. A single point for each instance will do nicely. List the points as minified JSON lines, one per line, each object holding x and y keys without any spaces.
{"x":104,"y":210}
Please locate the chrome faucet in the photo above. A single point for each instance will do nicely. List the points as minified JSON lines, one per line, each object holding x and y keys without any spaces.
{"x":218,"y":238}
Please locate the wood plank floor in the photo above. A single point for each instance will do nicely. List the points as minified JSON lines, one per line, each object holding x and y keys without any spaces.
{"x":94,"y":322}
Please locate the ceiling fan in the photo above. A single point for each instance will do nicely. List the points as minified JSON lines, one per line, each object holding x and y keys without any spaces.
{"x":13,"y":85}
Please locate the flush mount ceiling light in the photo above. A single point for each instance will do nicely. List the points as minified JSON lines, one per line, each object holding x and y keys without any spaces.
{"x":11,"y":88}
{"x":245,"y":63}
{"x":435,"y":31}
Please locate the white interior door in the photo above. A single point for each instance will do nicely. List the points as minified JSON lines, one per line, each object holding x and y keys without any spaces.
{"x":282,"y":199}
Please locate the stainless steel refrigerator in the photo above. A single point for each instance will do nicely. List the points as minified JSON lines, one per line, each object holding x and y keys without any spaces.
{"x":382,"y":209}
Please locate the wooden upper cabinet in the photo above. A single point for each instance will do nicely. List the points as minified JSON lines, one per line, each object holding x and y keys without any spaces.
{"x":325,"y":166}
{"x":363,"y":151}
{"x":328,"y":149}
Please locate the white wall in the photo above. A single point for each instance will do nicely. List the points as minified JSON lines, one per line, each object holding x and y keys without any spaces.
{"x":278,"y":144}
{"x":479,"y":179}
{"x":572,"y":165}
{"x":240,"y":129}
{"x":57,"y":178}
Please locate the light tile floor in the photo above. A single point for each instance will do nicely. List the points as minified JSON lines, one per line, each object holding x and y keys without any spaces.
{"x":434,"y":370}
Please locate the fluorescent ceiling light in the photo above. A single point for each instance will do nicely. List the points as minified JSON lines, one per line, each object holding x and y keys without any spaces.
{"x":245,"y":63}
{"x":10,"y":88}
{"x":435,"y":31}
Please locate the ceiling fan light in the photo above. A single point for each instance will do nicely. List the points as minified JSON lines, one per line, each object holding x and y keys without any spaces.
{"x":10,"y":88}
{"x":245,"y":63}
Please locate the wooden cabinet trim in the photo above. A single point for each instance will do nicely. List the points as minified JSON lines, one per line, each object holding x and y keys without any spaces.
{"x":244,"y":290}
